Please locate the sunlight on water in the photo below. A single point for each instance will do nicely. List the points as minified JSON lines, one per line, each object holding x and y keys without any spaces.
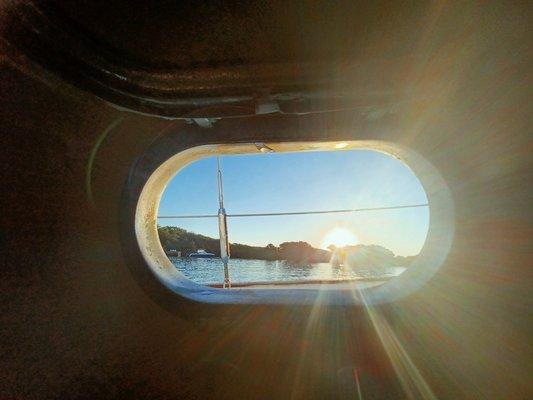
{"x":210,"y":270}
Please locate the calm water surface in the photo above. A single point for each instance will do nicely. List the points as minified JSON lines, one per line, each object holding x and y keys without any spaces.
{"x":210,"y":270}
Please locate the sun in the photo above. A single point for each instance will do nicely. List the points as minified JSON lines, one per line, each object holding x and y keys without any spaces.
{"x":339,"y":237}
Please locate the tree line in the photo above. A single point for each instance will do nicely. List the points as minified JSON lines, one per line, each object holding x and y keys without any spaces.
{"x":175,"y":239}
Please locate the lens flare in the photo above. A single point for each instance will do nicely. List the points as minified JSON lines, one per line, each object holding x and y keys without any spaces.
{"x":339,"y":237}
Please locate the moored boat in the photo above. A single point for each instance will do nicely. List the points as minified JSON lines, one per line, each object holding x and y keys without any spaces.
{"x":200,"y":253}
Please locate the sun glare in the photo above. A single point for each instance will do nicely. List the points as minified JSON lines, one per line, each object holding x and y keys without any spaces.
{"x":339,"y":237}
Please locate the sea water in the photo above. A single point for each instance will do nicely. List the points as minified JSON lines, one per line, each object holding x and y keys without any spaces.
{"x":211,"y":270}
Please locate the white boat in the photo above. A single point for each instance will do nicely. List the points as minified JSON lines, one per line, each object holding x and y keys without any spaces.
{"x":201,"y":253}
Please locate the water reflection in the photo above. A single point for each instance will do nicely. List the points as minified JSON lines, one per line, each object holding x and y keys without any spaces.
{"x":211,"y":270}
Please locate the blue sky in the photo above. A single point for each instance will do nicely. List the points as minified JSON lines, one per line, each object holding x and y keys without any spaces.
{"x":281,"y":182}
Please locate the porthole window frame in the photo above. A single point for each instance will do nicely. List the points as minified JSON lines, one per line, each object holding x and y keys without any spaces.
{"x":155,"y":272}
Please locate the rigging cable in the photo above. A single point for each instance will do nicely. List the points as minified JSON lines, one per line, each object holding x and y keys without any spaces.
{"x":352,"y":210}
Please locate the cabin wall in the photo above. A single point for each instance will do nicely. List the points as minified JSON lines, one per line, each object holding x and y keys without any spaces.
{"x":75,"y":323}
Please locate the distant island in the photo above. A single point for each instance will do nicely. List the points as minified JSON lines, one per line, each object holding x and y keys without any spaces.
{"x":177,"y":240}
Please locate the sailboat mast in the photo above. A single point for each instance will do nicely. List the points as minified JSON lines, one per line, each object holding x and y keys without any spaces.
{"x":220,"y":187}
{"x":223,"y":228}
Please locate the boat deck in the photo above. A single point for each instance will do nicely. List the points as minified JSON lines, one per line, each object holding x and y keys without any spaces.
{"x":309,"y":284}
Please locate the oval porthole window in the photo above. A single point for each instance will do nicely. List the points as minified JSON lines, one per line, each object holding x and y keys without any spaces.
{"x":335,"y":216}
